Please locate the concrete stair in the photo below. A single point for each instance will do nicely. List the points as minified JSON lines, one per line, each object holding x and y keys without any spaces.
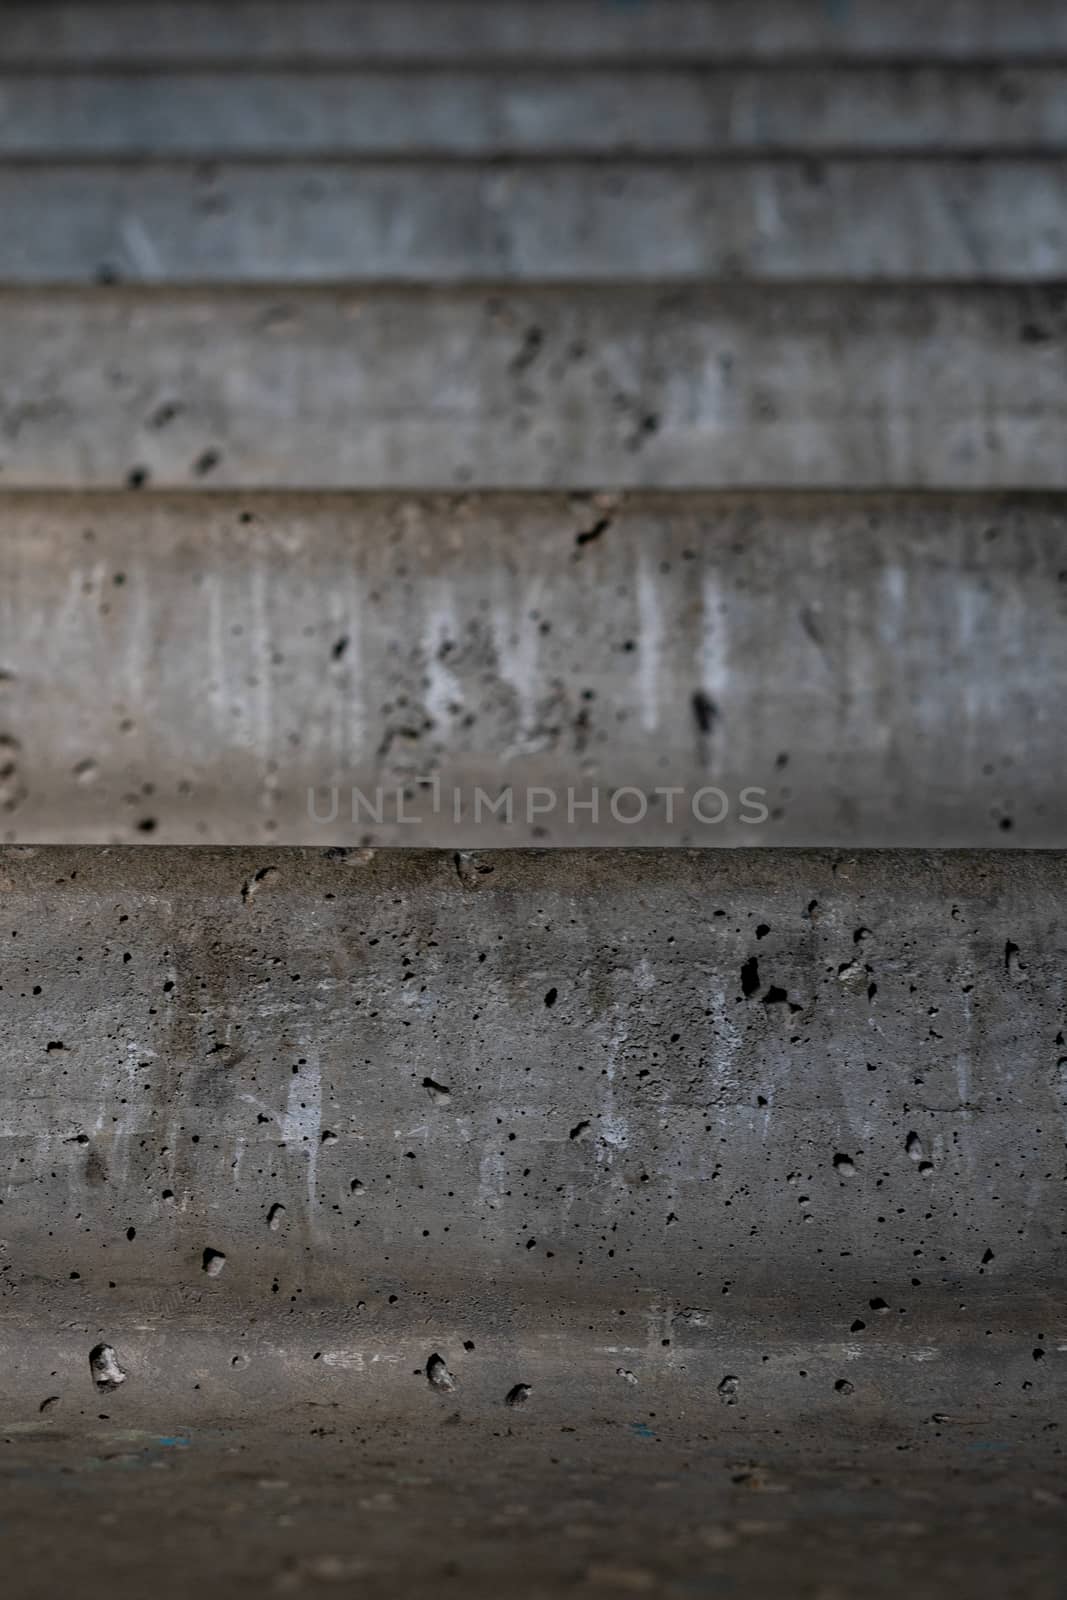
{"x":460,"y":425}
{"x":592,"y":387}
{"x":382,"y":669}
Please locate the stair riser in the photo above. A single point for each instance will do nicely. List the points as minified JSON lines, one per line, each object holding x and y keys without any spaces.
{"x":924,"y":220}
{"x":813,"y":386}
{"x":881,"y":669}
{"x":591,"y":1079}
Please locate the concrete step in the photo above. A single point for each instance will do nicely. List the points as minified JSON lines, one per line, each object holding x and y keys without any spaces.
{"x":874,"y":669}
{"x":925,"y":219}
{"x":459,"y":31}
{"x":535,"y":111}
{"x":562,"y":1082}
{"x":813,"y":386}
{"x":486,"y":1222}
{"x":601,"y":1169}
{"x":625,"y":1196}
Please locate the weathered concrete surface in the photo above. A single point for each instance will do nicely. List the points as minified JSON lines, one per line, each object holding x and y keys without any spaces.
{"x":882,"y":669}
{"x":923,"y":220}
{"x":739,"y":1175}
{"x":323,"y":31}
{"x":649,"y":1075}
{"x":536,"y":111}
{"x":811,"y":386}
{"x":744,"y":1170}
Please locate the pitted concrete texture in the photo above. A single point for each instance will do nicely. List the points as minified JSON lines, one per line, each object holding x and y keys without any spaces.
{"x":813,"y":386}
{"x":323,"y":31}
{"x":922,"y":220}
{"x":305,"y":669}
{"x":532,"y":1223}
{"x":536,"y":111}
{"x":547,"y":1079}
{"x":602,"y":1223}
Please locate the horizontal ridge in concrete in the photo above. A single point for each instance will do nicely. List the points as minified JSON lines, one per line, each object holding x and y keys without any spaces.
{"x":926,"y":219}
{"x":808,"y":386}
{"x":564,"y":30}
{"x":548,"y":1081}
{"x":344,"y":669}
{"x":535,"y":111}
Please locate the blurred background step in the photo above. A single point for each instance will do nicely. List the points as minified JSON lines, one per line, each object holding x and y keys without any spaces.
{"x":810,"y":385}
{"x":860,"y":670}
{"x":240,"y":32}
{"x":534,"y":111}
{"x":922,"y":219}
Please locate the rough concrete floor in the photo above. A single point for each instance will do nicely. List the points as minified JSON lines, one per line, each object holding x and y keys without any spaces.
{"x":310,"y":1499}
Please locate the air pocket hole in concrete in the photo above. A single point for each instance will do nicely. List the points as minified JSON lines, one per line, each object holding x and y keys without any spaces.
{"x":104,"y":1368}
{"x":438,"y":1375}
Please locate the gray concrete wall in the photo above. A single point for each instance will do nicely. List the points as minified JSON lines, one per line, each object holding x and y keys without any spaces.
{"x":655,"y":1079}
{"x":535,"y":111}
{"x":923,"y":220}
{"x":804,"y":386}
{"x":884,"y":669}
{"x":321,"y":31}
